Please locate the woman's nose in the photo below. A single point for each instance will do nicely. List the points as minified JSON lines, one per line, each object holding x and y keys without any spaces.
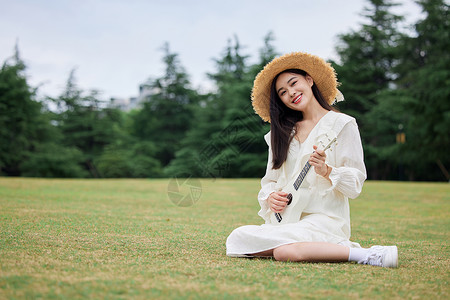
{"x":292,"y":92}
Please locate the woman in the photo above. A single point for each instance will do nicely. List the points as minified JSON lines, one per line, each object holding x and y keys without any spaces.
{"x":311,"y":222}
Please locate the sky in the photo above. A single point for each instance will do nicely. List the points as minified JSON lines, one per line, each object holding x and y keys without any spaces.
{"x":115,"y":45}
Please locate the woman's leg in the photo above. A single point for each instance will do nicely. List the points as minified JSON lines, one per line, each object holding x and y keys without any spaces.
{"x":312,"y":252}
{"x":383,"y":256}
{"x":267,"y":253}
{"x":307,"y":251}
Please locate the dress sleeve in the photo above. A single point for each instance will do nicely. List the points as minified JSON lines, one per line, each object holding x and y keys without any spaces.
{"x":268,"y":183}
{"x":349,"y":173}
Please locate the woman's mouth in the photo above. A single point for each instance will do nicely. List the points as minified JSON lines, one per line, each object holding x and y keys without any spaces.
{"x":297,"y":99}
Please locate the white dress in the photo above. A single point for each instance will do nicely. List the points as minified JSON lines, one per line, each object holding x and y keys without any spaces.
{"x":326,"y":217}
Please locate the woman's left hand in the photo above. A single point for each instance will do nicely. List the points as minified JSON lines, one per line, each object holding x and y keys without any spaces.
{"x":317,"y":160}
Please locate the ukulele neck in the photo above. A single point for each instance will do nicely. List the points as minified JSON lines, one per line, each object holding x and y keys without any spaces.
{"x":302,"y":176}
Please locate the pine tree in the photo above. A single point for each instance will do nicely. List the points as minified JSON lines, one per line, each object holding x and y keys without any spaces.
{"x":30,"y":145}
{"x":424,"y":82}
{"x":19,"y":115}
{"x":266,"y":54}
{"x":367,"y":57}
{"x":85,"y":124}
{"x":201,"y":152}
{"x":226,"y":139}
{"x":167,"y":114}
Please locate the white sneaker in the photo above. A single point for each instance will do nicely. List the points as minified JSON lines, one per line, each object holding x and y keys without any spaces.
{"x":381,"y":256}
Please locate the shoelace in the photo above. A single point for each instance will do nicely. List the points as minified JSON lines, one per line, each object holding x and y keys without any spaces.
{"x":374,"y":258}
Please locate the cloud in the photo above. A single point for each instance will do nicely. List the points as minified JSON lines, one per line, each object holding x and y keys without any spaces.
{"x":115,"y":45}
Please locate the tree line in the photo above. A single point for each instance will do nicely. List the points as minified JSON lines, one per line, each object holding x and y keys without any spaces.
{"x":396,"y":85}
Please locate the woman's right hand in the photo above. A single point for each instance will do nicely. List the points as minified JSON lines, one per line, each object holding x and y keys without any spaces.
{"x":277,"y":201}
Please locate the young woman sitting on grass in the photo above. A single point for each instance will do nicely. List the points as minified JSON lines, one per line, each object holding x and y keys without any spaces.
{"x":306,"y":211}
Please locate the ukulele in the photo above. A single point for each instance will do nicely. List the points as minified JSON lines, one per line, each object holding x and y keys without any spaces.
{"x":296,"y":203}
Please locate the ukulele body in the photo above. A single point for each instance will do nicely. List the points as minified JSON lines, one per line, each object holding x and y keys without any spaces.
{"x":292,"y":212}
{"x":299,"y":197}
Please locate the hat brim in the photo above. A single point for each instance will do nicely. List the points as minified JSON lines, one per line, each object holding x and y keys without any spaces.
{"x":321,"y":72}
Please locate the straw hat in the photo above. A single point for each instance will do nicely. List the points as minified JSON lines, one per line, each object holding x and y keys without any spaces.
{"x":321,"y":72}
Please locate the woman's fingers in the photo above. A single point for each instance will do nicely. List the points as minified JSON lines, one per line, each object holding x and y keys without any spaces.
{"x":280,"y":196}
{"x":319,"y":154}
{"x":317,"y":160}
{"x":278,"y":201}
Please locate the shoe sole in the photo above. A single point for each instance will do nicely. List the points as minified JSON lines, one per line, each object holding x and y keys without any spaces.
{"x":391,"y":257}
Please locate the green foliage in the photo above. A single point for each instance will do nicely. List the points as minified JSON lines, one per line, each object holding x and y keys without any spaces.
{"x":425,"y":79}
{"x":366,"y":59}
{"x":418,"y":102}
{"x":266,"y":54}
{"x":394,"y":84}
{"x":54,"y":161}
{"x":394,"y":81}
{"x":86,"y":126}
{"x":226,"y":138}
{"x":19,"y":116}
{"x":168,"y":113}
{"x":136,"y":161}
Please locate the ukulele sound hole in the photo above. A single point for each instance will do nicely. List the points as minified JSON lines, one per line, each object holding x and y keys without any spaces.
{"x":289,"y":196}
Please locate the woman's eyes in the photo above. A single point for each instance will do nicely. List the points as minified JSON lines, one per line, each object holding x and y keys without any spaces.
{"x":284,"y":92}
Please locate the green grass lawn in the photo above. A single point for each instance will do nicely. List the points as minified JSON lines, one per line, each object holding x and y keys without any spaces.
{"x":126,"y":239}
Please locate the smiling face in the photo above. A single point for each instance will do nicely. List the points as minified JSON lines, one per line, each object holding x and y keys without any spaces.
{"x":295,"y":90}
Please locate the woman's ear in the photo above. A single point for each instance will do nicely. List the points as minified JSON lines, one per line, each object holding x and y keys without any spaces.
{"x":309,"y":80}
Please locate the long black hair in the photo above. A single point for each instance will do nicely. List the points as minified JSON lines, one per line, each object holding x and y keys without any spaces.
{"x":283,"y":120}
